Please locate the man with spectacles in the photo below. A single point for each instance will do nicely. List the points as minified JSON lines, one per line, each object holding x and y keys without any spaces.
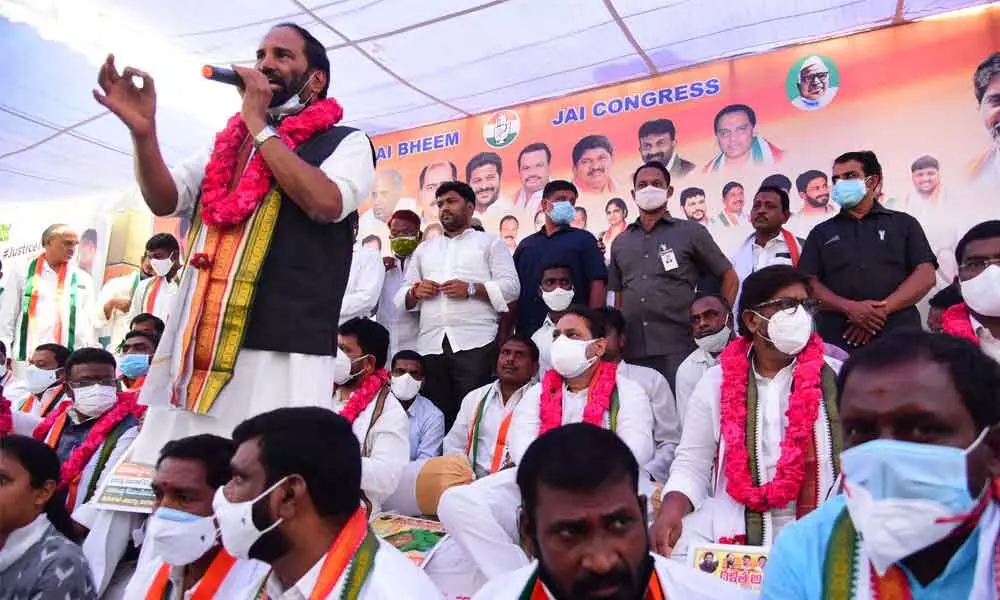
{"x":977,"y":319}
{"x":869,"y":265}
{"x":814,"y":85}
{"x":90,"y":433}
{"x":758,"y":446}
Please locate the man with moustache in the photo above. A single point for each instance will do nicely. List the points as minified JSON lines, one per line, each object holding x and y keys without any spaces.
{"x":387,"y":198}
{"x":658,"y":141}
{"x":283,"y":175}
{"x":461,"y":284}
{"x":592,"y":160}
{"x":694,"y":205}
{"x":484,"y":173}
{"x":289,"y":505}
{"x":739,"y":143}
{"x":986,"y":82}
{"x":584,"y":521}
{"x":533,"y":168}
{"x":814,"y":191}
{"x":431,"y":176}
{"x":733,"y":201}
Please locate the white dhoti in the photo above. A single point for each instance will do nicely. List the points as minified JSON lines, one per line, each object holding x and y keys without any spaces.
{"x":261,"y":381}
{"x":482,"y":518}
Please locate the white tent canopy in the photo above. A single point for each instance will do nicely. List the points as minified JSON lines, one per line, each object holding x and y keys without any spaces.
{"x":396,"y":63}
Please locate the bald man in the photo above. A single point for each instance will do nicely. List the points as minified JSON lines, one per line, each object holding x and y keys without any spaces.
{"x":49,"y":300}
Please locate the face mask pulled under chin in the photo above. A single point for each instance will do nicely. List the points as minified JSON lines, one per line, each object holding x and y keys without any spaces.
{"x":714,"y":343}
{"x":903,"y":496}
{"x":293,"y":105}
{"x":236,"y":526}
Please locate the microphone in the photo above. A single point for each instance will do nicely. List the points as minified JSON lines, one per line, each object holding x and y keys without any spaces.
{"x":222,"y":75}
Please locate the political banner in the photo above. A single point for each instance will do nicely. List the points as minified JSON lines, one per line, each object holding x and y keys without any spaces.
{"x":910,"y":93}
{"x":740,"y":565}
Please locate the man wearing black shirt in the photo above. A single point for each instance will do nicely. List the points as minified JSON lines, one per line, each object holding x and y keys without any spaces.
{"x":869,"y":265}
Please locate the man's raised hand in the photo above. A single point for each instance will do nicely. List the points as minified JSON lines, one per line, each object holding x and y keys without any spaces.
{"x":135,"y":106}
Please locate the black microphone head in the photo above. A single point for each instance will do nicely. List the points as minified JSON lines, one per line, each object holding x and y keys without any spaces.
{"x":222,"y":75}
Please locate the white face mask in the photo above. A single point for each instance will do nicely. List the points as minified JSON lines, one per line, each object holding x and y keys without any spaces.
{"x":789,"y":332}
{"x":982,"y":292}
{"x":180,"y":538}
{"x":569,"y":357}
{"x":94,"y":400}
{"x":405,"y":387}
{"x":236,"y":522}
{"x":342,"y":366}
{"x":558,"y":299}
{"x":293,"y":105}
{"x":714,"y":343}
{"x":904,"y":496}
{"x":161,"y":266}
{"x":37,"y":380}
{"x":650,"y":198}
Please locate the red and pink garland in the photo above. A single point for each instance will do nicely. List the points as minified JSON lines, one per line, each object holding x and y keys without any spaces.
{"x":364,"y":394}
{"x":74,"y":465}
{"x":6,"y":419}
{"x":222,"y":207}
{"x":803,"y":408}
{"x":955,"y":321}
{"x":602,"y":386}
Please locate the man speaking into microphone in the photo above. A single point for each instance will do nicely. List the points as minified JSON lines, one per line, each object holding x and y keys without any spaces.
{"x":272,"y":206}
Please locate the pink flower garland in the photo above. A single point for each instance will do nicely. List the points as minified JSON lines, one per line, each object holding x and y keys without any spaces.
{"x":223,"y":208}
{"x":6,"y":420}
{"x":598,"y":398}
{"x":364,"y":394}
{"x":73,"y":467}
{"x":955,"y":321}
{"x":803,"y":408}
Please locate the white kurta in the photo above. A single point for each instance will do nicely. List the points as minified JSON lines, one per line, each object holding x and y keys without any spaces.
{"x":364,"y":284}
{"x":117,"y":325}
{"x":42,"y":329}
{"x":393,"y":576}
{"x":677,"y":579}
{"x":482,"y":516}
{"x":694,"y":474}
{"x":162,"y":304}
{"x":666,"y":423}
{"x":388,"y":448}
{"x":262,"y":380}
{"x":242,"y":582}
{"x":457,"y":441}
{"x":688,"y":375}
{"x":403,"y":325}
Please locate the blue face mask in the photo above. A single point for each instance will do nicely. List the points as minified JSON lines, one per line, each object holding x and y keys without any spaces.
{"x":562,"y":213}
{"x":134,"y":366}
{"x":848,"y":193}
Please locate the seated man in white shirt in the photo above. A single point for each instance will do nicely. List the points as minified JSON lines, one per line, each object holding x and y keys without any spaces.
{"x":557,"y":294}
{"x":770,"y":243}
{"x":712,"y":326}
{"x":582,"y":386}
{"x":461,"y":283}
{"x":775,"y":380}
{"x":299,"y":471}
{"x":666,"y":423}
{"x":583,"y":519}
{"x":186,"y":555}
{"x":977,"y":318}
{"x":43,"y":384}
{"x":364,"y":282}
{"x":361,"y":396}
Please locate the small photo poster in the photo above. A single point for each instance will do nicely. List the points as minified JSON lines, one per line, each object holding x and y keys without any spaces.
{"x":741,"y":565}
{"x":417,"y":538}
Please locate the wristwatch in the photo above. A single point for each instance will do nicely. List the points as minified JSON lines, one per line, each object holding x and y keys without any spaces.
{"x":265,"y":134}
{"x":471,"y":289}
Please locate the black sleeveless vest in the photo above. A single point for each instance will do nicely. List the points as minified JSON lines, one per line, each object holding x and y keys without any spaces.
{"x":296,"y":307}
